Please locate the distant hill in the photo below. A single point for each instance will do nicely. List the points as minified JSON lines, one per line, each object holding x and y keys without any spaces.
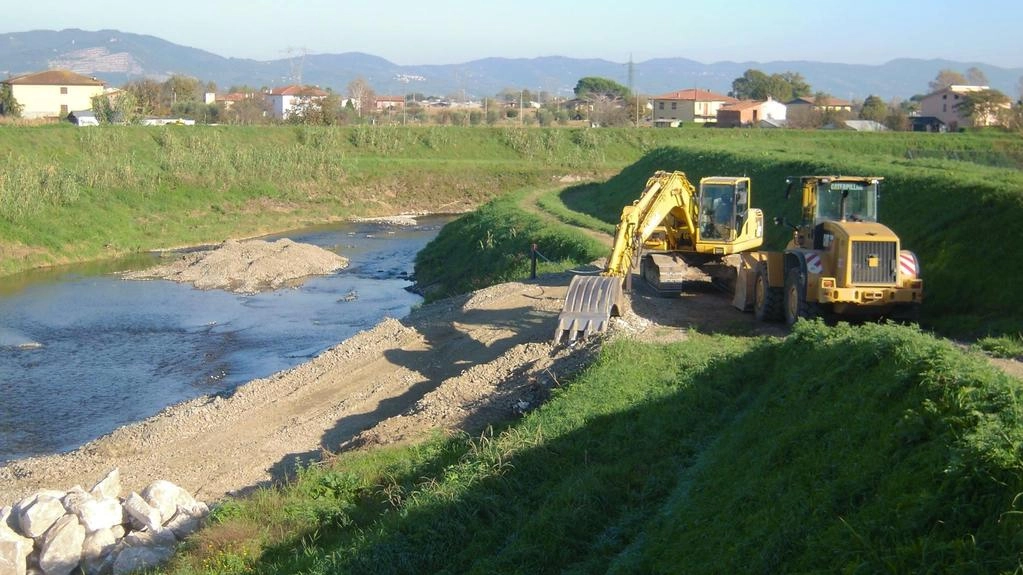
{"x":117,"y":57}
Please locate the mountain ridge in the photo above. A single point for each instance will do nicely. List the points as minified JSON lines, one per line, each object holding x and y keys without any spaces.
{"x":118,"y":57}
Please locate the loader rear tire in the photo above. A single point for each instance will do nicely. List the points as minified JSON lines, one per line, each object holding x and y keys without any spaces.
{"x":767,"y":301}
{"x":796,"y":306}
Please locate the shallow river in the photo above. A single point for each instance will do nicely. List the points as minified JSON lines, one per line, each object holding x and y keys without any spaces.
{"x":83,"y":352}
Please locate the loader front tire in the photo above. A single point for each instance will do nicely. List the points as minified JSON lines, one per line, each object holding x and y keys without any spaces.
{"x":767,"y":301}
{"x":796,"y":306}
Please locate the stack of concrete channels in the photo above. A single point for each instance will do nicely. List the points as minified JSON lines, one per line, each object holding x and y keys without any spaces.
{"x":56,"y":532}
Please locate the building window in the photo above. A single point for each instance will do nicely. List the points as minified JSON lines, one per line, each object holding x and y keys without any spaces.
{"x":660,"y":105}
{"x":63,"y":110}
{"x":674,"y":105}
{"x":63,"y":90}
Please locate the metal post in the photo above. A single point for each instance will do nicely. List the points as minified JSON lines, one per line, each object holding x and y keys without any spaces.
{"x":532,"y":267}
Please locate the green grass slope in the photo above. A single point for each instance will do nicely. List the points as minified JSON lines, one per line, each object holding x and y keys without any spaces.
{"x":70,"y":194}
{"x":838,"y":449}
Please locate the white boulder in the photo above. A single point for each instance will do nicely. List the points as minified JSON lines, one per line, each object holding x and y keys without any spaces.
{"x":166,"y":497}
{"x":109,"y":487}
{"x":97,"y":556}
{"x":13,"y":556}
{"x":74,"y":498}
{"x":97,"y":514}
{"x":40,"y":514}
{"x":61,"y":551}
{"x":133,"y":559}
{"x":141,"y":513}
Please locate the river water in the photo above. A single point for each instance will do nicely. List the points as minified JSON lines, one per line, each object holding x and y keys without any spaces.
{"x":83,"y":352}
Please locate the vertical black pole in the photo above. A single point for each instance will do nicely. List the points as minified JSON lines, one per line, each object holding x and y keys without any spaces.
{"x":532,"y":267}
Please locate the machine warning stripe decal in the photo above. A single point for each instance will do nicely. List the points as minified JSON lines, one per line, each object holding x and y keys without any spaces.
{"x":813,"y":263}
{"x":907,"y":264}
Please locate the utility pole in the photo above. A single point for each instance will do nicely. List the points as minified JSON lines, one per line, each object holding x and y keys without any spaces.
{"x":632,"y":87}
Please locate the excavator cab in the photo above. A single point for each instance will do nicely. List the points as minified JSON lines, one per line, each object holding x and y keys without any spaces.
{"x":723,"y":208}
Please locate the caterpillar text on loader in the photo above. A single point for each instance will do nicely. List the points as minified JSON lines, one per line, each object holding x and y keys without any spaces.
{"x":678,"y":227}
{"x":840,"y":262}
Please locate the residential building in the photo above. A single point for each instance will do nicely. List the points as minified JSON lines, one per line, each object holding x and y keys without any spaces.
{"x":53,"y":93}
{"x":286,"y":101}
{"x":944,"y":105}
{"x":750,"y":113}
{"x":691,"y":105}
{"x":826,"y":104}
{"x":389,"y":102}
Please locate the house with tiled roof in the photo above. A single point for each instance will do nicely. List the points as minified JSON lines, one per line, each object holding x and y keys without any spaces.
{"x":750,"y":113}
{"x":825,"y":104}
{"x":285,"y":101}
{"x":389,"y":102}
{"x":690,"y":105}
{"x":53,"y":93}
{"x":945,"y":106}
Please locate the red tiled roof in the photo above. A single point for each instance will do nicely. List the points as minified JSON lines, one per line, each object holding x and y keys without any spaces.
{"x":832,"y":102}
{"x":740,"y":105}
{"x":232,"y":97}
{"x":390,"y":98}
{"x":297,"y":91}
{"x":695,"y":94}
{"x":55,"y":78}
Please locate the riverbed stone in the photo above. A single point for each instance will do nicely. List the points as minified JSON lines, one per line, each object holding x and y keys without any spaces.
{"x":109,"y":486}
{"x":132,"y":559}
{"x":97,"y":514}
{"x":61,"y":551}
{"x":39,"y":515}
{"x":141,"y":513}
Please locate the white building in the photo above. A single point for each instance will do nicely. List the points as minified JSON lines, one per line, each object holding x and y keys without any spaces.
{"x":284,"y":102}
{"x":53,"y":93}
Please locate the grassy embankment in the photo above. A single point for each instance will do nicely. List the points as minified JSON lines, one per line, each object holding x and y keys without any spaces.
{"x":69,"y":194}
{"x":866,"y":449}
{"x":717,"y":455}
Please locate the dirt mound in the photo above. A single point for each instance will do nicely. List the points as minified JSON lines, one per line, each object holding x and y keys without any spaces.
{"x":247,"y":267}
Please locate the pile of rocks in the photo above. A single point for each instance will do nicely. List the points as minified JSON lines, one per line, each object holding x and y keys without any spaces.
{"x":55,"y":532}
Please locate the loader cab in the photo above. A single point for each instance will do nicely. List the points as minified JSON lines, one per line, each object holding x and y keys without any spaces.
{"x":723,"y":206}
{"x":847,"y":200}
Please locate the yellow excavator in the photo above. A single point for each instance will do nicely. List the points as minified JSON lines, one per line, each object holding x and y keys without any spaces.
{"x":678,"y":227}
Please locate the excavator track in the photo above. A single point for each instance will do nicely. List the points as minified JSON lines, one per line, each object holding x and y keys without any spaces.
{"x":590,"y":303}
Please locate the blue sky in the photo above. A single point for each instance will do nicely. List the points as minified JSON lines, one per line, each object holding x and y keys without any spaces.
{"x":448,"y":31}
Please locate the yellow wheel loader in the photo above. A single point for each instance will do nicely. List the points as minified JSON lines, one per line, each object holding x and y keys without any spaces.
{"x":677,"y":226}
{"x":841,"y":262}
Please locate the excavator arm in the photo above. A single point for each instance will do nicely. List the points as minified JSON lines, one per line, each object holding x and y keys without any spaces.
{"x":665,"y":193}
